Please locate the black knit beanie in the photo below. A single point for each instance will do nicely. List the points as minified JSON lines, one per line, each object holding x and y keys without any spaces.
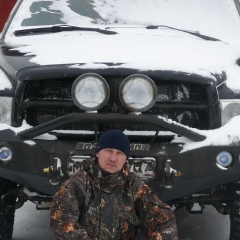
{"x":114,"y":139}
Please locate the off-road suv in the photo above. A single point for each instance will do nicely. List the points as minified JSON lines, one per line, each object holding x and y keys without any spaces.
{"x":167,"y":73}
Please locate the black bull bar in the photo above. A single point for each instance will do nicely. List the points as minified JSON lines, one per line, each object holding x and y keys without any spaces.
{"x":112,"y":119}
{"x":196,"y":168}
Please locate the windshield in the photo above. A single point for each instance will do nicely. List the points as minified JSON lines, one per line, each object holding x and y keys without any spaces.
{"x":216,"y":18}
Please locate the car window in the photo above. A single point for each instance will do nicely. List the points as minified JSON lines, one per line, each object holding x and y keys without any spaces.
{"x":217,"y":18}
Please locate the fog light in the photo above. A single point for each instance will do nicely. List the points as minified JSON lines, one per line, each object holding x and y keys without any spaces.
{"x":138,"y":93}
{"x":90,"y":92}
{"x":224,"y":159}
{"x":5,"y":154}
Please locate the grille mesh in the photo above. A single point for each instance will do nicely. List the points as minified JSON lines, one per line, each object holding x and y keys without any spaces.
{"x":171,"y":96}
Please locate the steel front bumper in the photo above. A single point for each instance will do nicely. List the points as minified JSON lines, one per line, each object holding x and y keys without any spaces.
{"x":44,"y":164}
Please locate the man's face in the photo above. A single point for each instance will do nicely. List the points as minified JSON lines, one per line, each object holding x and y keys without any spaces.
{"x":111,"y":160}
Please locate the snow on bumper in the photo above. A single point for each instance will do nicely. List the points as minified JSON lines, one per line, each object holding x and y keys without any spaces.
{"x":174,"y":171}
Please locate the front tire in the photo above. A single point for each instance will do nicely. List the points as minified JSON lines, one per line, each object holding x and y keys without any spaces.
{"x":234,"y":205}
{"x":7,"y":210}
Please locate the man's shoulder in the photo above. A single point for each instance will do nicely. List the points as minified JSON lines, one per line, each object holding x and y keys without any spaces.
{"x":77,"y":178}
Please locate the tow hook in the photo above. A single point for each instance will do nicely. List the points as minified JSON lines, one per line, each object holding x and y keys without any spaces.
{"x":54,"y":172}
{"x":169,"y":175}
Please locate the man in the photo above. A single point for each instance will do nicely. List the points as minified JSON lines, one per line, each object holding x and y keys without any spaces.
{"x":106,"y":201}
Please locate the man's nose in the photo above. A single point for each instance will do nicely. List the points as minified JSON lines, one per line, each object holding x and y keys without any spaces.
{"x":113,"y":157}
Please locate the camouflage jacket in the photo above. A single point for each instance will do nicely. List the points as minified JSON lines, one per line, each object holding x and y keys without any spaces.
{"x":91,"y":206}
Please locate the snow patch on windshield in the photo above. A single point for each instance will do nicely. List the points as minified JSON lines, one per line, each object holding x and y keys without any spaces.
{"x":221,"y":18}
{"x":134,"y":46}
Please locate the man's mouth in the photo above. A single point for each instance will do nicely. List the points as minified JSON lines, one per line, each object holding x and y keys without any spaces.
{"x":111,"y":165}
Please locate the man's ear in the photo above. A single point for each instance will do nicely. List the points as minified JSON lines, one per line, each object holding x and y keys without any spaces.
{"x":97,"y":154}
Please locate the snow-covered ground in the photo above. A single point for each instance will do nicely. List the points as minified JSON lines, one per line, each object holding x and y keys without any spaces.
{"x":31,"y":224}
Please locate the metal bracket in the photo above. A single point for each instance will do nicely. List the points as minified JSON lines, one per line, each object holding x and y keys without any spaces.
{"x":55,"y":172}
{"x":169,"y":175}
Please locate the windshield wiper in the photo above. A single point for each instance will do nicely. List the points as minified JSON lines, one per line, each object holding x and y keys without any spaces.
{"x":197,"y":34}
{"x":61,"y":28}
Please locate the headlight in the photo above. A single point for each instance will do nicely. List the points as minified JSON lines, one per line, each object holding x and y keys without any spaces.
{"x":5,"y":110}
{"x":90,"y":92}
{"x":138,"y":93}
{"x":230,"y":109}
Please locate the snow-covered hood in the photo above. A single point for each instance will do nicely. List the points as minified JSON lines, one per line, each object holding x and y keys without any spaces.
{"x":158,"y":49}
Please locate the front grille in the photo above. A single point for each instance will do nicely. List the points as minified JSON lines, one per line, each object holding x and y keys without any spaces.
{"x":183,"y":102}
{"x":58,"y":89}
{"x":177,"y":92}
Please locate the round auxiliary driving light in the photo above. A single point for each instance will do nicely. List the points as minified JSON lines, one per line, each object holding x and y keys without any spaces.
{"x":90,"y":92}
{"x":224,"y":159}
{"x":5,"y":154}
{"x":138,"y":93}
